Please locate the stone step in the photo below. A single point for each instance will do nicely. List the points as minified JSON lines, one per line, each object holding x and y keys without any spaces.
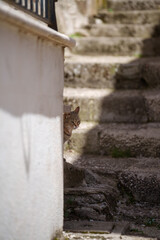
{"x":125,"y":140}
{"x":92,"y":71}
{"x":112,"y":72}
{"x":99,"y":236}
{"x":138,"y":176}
{"x":118,"y":46}
{"x":90,"y":227}
{"x":149,"y":229}
{"x":122,"y":30}
{"x":96,"y":227}
{"x":125,"y":5}
{"x":119,"y":189}
{"x":90,"y":74}
{"x":109,"y":166}
{"x":106,"y":105}
{"x":95,"y":205}
{"x":109,"y":230}
{"x":142,"y":73}
{"x":89,"y":203}
{"x":138,"y":212}
{"x":128,"y":17}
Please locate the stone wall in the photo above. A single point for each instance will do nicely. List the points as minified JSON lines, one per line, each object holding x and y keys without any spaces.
{"x":72,"y":14}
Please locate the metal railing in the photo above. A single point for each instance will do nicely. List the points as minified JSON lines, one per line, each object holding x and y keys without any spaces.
{"x":41,"y":9}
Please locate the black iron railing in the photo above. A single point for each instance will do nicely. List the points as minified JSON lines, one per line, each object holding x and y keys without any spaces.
{"x":42,"y":9}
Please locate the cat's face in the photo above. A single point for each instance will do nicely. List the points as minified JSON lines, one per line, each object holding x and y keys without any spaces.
{"x":73,"y":118}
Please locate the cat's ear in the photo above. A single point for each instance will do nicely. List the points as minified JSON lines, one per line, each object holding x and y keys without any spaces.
{"x":77,"y":110}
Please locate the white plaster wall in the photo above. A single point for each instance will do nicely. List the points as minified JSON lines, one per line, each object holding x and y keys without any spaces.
{"x":31,"y":105}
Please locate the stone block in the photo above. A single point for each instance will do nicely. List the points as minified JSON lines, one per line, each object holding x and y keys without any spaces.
{"x":90,"y":75}
{"x":120,"y":30}
{"x":125,"y":5}
{"x":119,"y":140}
{"x":89,"y":204}
{"x":150,"y":72}
{"x":141,"y":186}
{"x":129,"y":17}
{"x":73,"y":176}
{"x":119,"y":46}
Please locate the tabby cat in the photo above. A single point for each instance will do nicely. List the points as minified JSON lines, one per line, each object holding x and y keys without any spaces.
{"x":71,"y":121}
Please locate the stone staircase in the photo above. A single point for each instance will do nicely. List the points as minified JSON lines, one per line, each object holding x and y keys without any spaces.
{"x":113,"y":159}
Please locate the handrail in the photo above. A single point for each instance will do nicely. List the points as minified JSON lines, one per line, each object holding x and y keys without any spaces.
{"x":9,"y":14}
{"x":44,"y":10}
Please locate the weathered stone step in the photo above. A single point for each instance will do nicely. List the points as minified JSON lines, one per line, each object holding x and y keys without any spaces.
{"x":106,"y":105}
{"x":126,"y":5}
{"x":90,"y":74}
{"x":112,"y":236}
{"x":139,"y":177}
{"x":99,"y":205}
{"x":150,"y":229}
{"x":121,"y":30}
{"x":118,"y":46}
{"x":92,"y":71}
{"x":129,"y":17}
{"x":95,"y":203}
{"x":139,"y":212}
{"x":126,"y":140}
{"x":96,"y":227}
{"x":136,"y":176}
{"x":113,"y":165}
{"x":112,"y":72}
{"x":142,"y":73}
{"x":114,"y":189}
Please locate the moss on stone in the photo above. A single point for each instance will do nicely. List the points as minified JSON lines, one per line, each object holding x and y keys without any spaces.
{"x":119,"y":153}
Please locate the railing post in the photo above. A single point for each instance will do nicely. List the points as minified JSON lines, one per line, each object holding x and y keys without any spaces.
{"x":52,"y":14}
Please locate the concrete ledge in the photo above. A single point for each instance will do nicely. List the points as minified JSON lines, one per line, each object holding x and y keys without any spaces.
{"x":21,"y":19}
